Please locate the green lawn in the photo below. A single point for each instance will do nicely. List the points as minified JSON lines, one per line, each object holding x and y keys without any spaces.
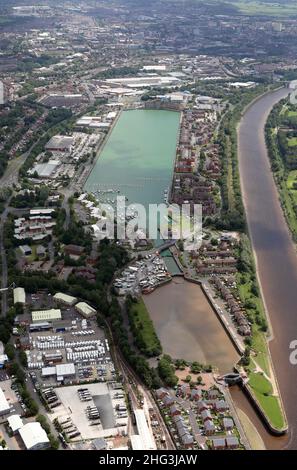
{"x":288,"y":206}
{"x":292,"y":178}
{"x":292,"y":113}
{"x":260,"y":347}
{"x":264,"y":8}
{"x":292,"y":142}
{"x":143,"y":330}
{"x":270,"y":404}
{"x":259,"y":339}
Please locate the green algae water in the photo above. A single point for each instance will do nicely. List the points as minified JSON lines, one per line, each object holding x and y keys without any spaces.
{"x":137,"y":160}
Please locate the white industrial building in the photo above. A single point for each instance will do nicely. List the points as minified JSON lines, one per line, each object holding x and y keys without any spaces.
{"x":45,"y":170}
{"x":85,"y":309}
{"x":46,"y":315}
{"x":19,"y":295}
{"x":60,"y":371}
{"x":136,"y":442}
{"x":144,"y":440}
{"x":15,"y":423}
{"x":34,"y":436}
{"x":4,"y":405}
{"x":65,"y":299}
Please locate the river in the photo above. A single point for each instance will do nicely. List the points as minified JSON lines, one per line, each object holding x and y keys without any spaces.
{"x":275,"y":253}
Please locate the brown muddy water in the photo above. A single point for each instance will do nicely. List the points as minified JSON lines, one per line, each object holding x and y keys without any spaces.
{"x":275,"y":254}
{"x":187,"y":326}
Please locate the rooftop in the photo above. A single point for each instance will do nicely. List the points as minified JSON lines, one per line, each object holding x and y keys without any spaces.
{"x":33,"y":435}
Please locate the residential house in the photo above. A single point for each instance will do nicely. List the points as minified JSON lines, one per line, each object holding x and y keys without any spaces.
{"x":232,"y":442}
{"x":228,"y":424}
{"x":206,"y":415}
{"x":221,"y":405}
{"x":209,"y":427}
{"x":218,"y":443}
{"x":201,"y":406}
{"x":196,"y":394}
{"x":174,"y":410}
{"x":161,"y":393}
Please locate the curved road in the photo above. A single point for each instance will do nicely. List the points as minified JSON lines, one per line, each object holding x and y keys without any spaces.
{"x":273,"y":247}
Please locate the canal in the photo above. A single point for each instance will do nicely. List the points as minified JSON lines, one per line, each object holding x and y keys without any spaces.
{"x":188,"y":327}
{"x":275,"y":255}
{"x":137,"y":160}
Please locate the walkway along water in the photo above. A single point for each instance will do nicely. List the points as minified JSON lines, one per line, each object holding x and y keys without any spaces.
{"x":275,"y":253}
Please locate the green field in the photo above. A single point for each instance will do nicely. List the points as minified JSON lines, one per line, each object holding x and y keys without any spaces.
{"x":143,"y":330}
{"x":292,"y":113}
{"x":259,"y":339}
{"x":292,"y":142}
{"x":270,"y":404}
{"x":264,"y":8}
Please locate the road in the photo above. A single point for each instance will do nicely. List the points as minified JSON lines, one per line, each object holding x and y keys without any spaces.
{"x":4,"y":272}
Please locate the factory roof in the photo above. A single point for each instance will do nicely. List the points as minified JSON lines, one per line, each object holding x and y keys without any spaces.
{"x":66,"y":299}
{"x":85,"y":309}
{"x":4,"y":405}
{"x":19,"y":295}
{"x":33,"y":435}
{"x":59,"y":142}
{"x":44,"y":315}
{"x":147,"y":441}
{"x":60,"y":370}
{"x":44,"y":170}
{"x":65,"y":369}
{"x":136,"y":442}
{"x":15,"y":422}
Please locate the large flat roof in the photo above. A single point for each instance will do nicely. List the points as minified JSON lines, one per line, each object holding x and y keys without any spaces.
{"x":4,"y":405}
{"x":33,"y":435}
{"x":67,"y":299}
{"x":59,"y":141}
{"x":19,"y":295}
{"x":85,"y":309}
{"x":44,"y":315}
{"x":15,"y":422}
{"x":145,"y":434}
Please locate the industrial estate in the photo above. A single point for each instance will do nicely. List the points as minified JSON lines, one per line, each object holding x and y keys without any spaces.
{"x":133,"y":342}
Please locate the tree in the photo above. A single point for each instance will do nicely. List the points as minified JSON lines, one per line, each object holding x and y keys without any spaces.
{"x":10,"y":351}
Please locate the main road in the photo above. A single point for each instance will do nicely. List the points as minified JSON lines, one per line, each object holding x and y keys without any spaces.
{"x":275,"y":253}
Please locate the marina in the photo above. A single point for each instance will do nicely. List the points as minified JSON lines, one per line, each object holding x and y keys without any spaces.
{"x":138,"y":158}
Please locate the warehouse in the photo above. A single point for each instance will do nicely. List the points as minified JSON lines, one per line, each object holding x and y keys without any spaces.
{"x":136,"y":442}
{"x":15,"y":423}
{"x":4,"y":405}
{"x":34,"y":436}
{"x":45,"y":170}
{"x":65,"y":299}
{"x":60,"y":370}
{"x":60,"y":143}
{"x":85,"y":309}
{"x":19,"y":295}
{"x":46,"y":315}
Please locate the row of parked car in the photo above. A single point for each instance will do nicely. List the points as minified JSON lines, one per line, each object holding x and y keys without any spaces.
{"x":15,"y":388}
